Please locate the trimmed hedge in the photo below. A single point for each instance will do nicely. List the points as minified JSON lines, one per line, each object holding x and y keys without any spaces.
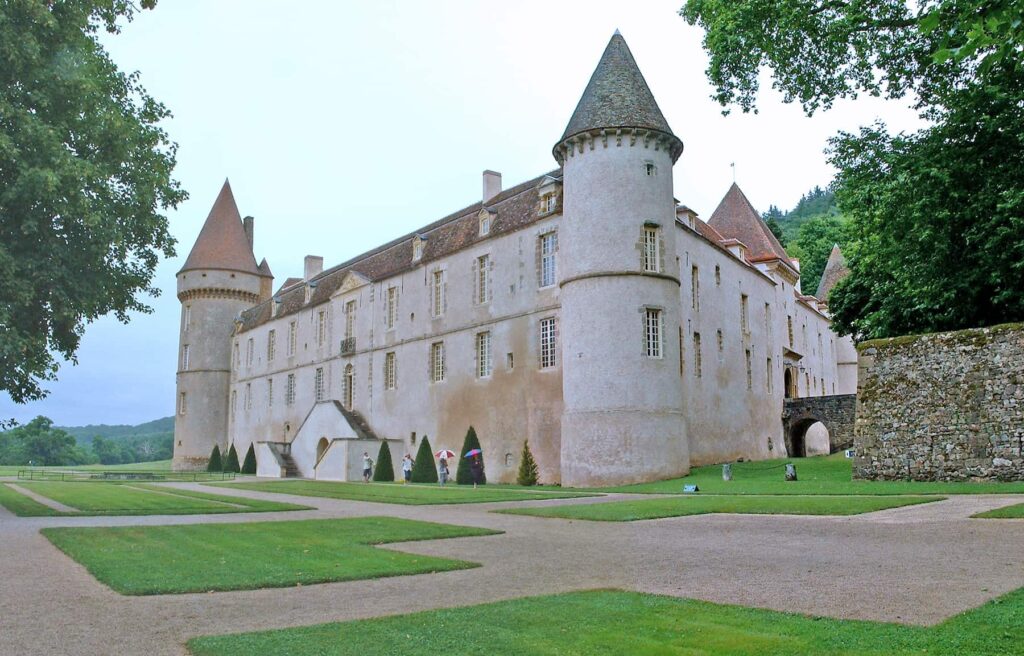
{"x":231,"y":462}
{"x":249,"y":465}
{"x":424,"y":470}
{"x":463,"y":476}
{"x":215,"y":464}
{"x":527,"y":467}
{"x":384,"y":471}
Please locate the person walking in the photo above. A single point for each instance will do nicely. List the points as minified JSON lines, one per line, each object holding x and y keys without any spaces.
{"x":367,"y":467}
{"x":476,"y":468}
{"x":442,"y":472}
{"x":407,"y":469}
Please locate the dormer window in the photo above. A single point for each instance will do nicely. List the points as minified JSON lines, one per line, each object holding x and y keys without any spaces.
{"x":548,"y":203}
{"x":547,"y":193}
{"x":310,"y":288}
{"x":417,"y":248}
{"x":650,"y":169}
{"x":486,"y":219}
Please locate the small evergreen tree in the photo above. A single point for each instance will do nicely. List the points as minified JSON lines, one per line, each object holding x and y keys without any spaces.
{"x":231,"y":462}
{"x":463,"y":476}
{"x":527,"y":467}
{"x":215,"y":464}
{"x":249,"y":465}
{"x":423,"y":470}
{"x":384,"y":471}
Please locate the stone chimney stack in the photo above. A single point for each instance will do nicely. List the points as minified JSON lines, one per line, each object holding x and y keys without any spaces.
{"x":247,"y":224}
{"x":492,"y":185}
{"x":312,"y":266}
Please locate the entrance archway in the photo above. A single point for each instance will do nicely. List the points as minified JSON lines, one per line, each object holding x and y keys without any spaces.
{"x":835,"y":414}
{"x":789,"y":378}
{"x":321,"y":448}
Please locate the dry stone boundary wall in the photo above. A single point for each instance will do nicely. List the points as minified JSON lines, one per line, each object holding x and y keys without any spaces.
{"x":942,"y":407}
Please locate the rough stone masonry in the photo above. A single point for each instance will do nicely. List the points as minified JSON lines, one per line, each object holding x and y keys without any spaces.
{"x":942,"y":407}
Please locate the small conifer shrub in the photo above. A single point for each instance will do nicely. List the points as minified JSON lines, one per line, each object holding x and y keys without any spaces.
{"x":384,"y":471}
{"x":249,"y":465}
{"x":215,"y":464}
{"x":527,"y":467}
{"x":423,"y":470}
{"x":231,"y":462}
{"x":463,"y":475}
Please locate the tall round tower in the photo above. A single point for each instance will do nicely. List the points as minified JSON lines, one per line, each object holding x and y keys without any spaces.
{"x":620,"y":291}
{"x":219,"y":280}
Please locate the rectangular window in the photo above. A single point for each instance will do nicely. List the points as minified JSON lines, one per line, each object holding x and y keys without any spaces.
{"x":289,"y":390}
{"x":237,"y":358}
{"x":682,"y":362}
{"x":652,"y":325}
{"x":744,"y":316}
{"x":389,"y":370}
{"x":696,"y":356}
{"x":750,"y":372}
{"x":184,"y":357}
{"x":350,"y":319}
{"x":718,"y":275}
{"x":548,"y":202}
{"x":695,"y":288}
{"x":483,"y":354}
{"x":248,"y":396}
{"x":483,"y":291}
{"x":186,"y":317}
{"x":768,"y":370}
{"x":321,"y":327}
{"x":271,"y":345}
{"x":292,"y":330}
{"x":437,"y":297}
{"x":510,"y":361}
{"x":250,"y":350}
{"x":391,"y":308}
{"x":270,"y":392}
{"x":437,"y":362}
{"x":318,"y":384}
{"x":181,"y":403}
{"x":548,"y":343}
{"x":768,"y":322}
{"x":789,"y":328}
{"x":652,"y":249}
{"x":721,"y":344}
{"x":234,"y":402}
{"x":485,"y":225}
{"x":548,"y":248}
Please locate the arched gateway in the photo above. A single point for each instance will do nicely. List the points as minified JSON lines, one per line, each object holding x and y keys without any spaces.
{"x":836,"y":412}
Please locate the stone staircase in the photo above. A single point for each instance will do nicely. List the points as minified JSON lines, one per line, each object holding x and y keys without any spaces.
{"x":357,"y":422}
{"x":288,"y":466}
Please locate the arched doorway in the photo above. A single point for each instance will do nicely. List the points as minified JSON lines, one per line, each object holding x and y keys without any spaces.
{"x":321,"y":448}
{"x":349,"y":387}
{"x":796,"y":442}
{"x":789,"y":378}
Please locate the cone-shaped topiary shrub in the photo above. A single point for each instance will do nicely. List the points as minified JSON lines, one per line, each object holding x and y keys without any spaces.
{"x":249,"y":465}
{"x":424,"y":470}
{"x":215,"y":464}
{"x":384,"y":471}
{"x":463,"y":476}
{"x":231,"y":462}
{"x":527,"y":467}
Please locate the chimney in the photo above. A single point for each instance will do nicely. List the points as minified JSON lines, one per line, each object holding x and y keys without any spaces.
{"x":492,"y":185}
{"x":312,"y":265}
{"x":247,"y":224}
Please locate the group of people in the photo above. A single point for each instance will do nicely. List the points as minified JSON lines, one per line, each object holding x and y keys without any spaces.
{"x":476,"y":469}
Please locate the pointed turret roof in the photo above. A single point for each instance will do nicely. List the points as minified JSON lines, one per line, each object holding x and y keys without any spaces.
{"x":835,"y":270}
{"x":222,"y":243}
{"x":736,"y":218}
{"x":264,"y":269}
{"x":617,"y":96}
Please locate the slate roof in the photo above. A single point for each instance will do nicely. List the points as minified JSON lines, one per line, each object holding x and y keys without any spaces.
{"x":617,"y":96}
{"x":736,"y":218}
{"x":264,"y":269}
{"x":835,"y":270}
{"x":222,"y":243}
{"x":515,"y":208}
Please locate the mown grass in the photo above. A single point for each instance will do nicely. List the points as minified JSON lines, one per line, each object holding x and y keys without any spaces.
{"x":154,"y":466}
{"x":90,"y":499}
{"x":144,"y":560}
{"x":414,"y":495}
{"x":677,"y":506}
{"x":609,"y":623}
{"x":820,"y":475}
{"x":1006,"y":512}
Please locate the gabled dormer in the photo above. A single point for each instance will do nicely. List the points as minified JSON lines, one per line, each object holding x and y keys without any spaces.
{"x":485,"y":221}
{"x":419,"y":242}
{"x":549,"y":195}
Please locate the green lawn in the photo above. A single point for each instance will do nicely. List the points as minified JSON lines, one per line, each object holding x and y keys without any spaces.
{"x":676,"y":506}
{"x":607,"y":623}
{"x":819,"y":475}
{"x":128,"y":499}
{"x":1006,"y":512}
{"x":198,"y":558}
{"x":154,"y":466}
{"x":414,"y":495}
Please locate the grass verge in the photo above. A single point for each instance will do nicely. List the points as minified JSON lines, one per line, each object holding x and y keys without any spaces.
{"x":609,"y":622}
{"x":23,"y":506}
{"x":144,"y":560}
{"x":1006,"y":512}
{"x":676,"y":506}
{"x":154,"y":466}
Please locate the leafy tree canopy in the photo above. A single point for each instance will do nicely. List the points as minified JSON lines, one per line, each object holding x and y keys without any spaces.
{"x":85,"y":176}
{"x":40,"y":443}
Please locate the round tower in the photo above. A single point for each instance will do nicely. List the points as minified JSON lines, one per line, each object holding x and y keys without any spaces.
{"x":220,"y":279}
{"x":620,"y":291}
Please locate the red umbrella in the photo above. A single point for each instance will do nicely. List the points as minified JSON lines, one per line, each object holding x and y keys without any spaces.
{"x":447,"y":454}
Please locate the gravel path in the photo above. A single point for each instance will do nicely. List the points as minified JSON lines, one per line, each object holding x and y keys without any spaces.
{"x":917,"y":564}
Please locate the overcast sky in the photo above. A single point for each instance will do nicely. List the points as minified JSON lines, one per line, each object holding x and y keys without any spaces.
{"x":343,"y":125}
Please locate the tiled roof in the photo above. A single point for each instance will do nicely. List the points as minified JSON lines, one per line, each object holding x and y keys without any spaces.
{"x":735,"y":218}
{"x":835,"y":270}
{"x":222,"y":243}
{"x":617,"y":96}
{"x":515,"y":208}
{"x":264,"y":269}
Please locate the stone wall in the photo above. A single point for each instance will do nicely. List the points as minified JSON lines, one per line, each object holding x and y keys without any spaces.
{"x":946,"y":406}
{"x":836,"y":412}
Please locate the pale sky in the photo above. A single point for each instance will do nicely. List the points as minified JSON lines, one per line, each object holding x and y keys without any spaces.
{"x":343,"y":125}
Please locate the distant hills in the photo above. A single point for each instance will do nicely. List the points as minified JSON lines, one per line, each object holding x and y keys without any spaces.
{"x":120,"y":432}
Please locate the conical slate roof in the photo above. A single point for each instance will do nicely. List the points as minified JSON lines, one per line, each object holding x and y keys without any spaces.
{"x":222,"y":243}
{"x":736,"y":218}
{"x":617,"y":96}
{"x":264,"y":269}
{"x":835,"y":270}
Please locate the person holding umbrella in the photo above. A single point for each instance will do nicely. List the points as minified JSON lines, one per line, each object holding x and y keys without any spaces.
{"x":476,"y":467}
{"x":442,"y":465}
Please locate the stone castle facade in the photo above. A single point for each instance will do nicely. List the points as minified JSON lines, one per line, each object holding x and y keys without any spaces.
{"x":584,"y":310}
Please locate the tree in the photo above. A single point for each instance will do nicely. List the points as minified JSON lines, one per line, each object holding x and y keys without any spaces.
{"x":527,"y":467}
{"x":85,"y":181}
{"x":231,"y":462}
{"x":423,"y":469}
{"x":39,"y":443}
{"x":384,"y":471}
{"x":249,"y":465}
{"x":813,"y":245}
{"x":215,"y":464}
{"x":108,"y":451}
{"x":463,"y":475}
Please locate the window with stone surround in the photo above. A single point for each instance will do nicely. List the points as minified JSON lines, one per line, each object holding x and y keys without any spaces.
{"x":652,"y":249}
{"x":548,"y":203}
{"x":389,"y":370}
{"x":350,"y":319}
{"x":248,"y":396}
{"x":186,"y":317}
{"x":437,"y":369}
{"x":548,"y":343}
{"x":437,"y":294}
{"x":391,"y":307}
{"x":289,"y":390}
{"x":682,"y":361}
{"x":270,"y":392}
{"x":548,"y":249}
{"x":768,"y":322}
{"x":652,"y":332}
{"x":744,"y":314}
{"x":695,"y":288}
{"x":234,"y":402}
{"x":750,"y":371}
{"x":483,"y":354}
{"x":184,"y":356}
{"x":292,"y":337}
{"x":718,"y":275}
{"x":318,"y":384}
{"x":789,"y":328}
{"x":321,"y":327}
{"x":697,"y":365}
{"x":181,"y":403}
{"x":350,"y":387}
{"x":768,"y":380}
{"x":271,"y":345}
{"x":482,"y":288}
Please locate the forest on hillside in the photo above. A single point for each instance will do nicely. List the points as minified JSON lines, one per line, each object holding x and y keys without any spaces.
{"x":809,"y":231}
{"x":39,"y":442}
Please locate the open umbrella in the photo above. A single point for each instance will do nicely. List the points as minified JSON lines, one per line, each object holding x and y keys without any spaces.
{"x":445,"y":453}
{"x":473,"y":452}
